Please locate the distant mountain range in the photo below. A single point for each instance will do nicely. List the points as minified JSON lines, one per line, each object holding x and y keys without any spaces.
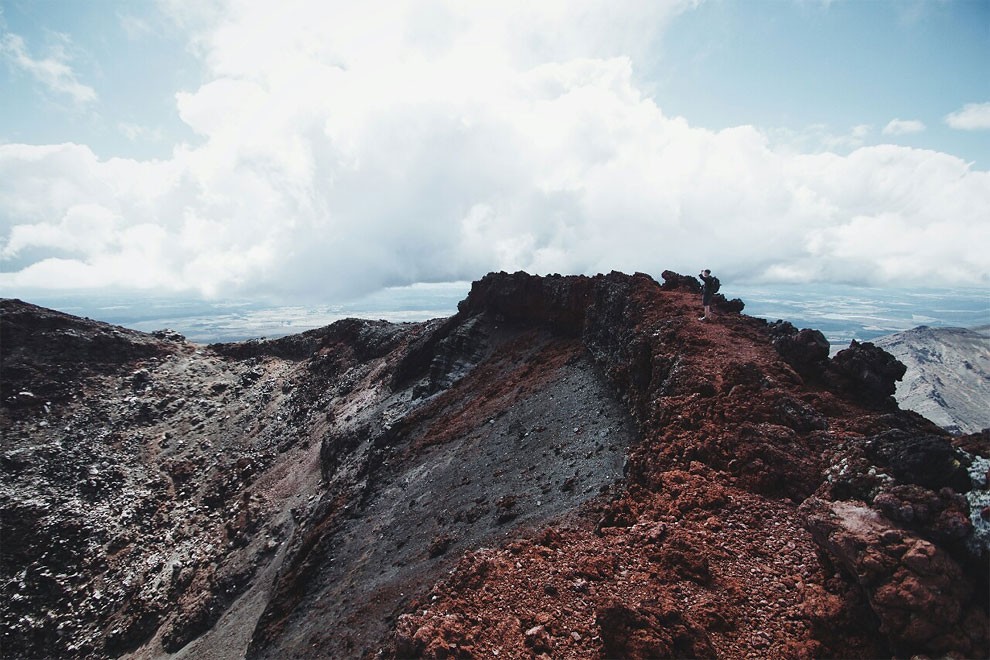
{"x":948,"y":375}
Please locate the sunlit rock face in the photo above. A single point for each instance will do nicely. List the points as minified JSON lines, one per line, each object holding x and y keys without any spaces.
{"x":568,"y":467}
{"x":948,"y":375}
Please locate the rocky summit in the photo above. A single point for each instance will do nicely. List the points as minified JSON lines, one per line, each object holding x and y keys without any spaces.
{"x":569,"y":467}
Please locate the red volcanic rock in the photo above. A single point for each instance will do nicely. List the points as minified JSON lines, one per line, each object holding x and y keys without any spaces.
{"x":916,"y":589}
{"x":650,"y":630}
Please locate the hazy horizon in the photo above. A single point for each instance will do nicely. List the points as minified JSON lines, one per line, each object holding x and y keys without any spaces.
{"x":841,"y":312}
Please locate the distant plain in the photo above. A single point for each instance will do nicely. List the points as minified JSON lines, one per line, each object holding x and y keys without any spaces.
{"x":841,"y":312}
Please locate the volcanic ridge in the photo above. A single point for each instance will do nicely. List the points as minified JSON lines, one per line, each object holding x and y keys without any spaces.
{"x":569,"y":467}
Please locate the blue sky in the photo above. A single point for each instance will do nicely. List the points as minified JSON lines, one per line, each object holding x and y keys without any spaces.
{"x":838,"y":65}
{"x":131,"y":57}
{"x":232,"y":148}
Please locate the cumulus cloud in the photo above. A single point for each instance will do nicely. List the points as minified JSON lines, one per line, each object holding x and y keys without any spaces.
{"x":903,"y":127}
{"x":54,"y":72}
{"x":356,"y":149}
{"x":972,"y":117}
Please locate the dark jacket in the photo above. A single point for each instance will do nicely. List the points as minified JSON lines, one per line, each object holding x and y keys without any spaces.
{"x":706,"y":287}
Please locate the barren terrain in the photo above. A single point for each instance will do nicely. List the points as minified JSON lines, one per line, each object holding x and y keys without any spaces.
{"x":570,"y":467}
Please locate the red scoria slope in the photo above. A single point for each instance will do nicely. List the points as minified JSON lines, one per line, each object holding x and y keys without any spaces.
{"x":570,"y":467}
{"x":753,"y":521}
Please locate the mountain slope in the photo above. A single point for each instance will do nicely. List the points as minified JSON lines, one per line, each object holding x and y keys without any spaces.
{"x":948,"y":375}
{"x":569,"y":466}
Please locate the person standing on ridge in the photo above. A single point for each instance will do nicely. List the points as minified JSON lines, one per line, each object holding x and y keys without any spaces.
{"x":709,"y":287}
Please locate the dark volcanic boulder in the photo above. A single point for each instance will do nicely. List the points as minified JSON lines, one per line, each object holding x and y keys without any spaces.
{"x":866,"y":373}
{"x":927,"y":460}
{"x":676,"y":282}
{"x":559,"y":302}
{"x":723,"y":304}
{"x":806,"y":350}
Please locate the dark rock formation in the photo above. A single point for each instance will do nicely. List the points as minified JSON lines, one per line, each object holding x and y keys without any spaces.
{"x":676,"y":282}
{"x":568,"y":467}
{"x":926,"y":460}
{"x":867,"y":373}
{"x":861,"y":372}
{"x":806,"y":350}
{"x":41,"y":351}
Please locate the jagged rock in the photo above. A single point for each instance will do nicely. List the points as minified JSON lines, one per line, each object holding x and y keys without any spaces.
{"x":800,"y":417}
{"x":539,"y":640}
{"x":454,"y":355}
{"x":443,"y":639}
{"x":651,"y":630}
{"x":866,"y":372}
{"x":927,"y":460}
{"x":676,"y":282}
{"x":168,"y":334}
{"x":915,"y":589}
{"x":941,"y":516}
{"x":560,"y":302}
{"x":806,"y":350}
{"x":723,"y":304}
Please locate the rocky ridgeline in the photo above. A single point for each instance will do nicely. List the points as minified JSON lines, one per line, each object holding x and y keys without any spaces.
{"x":568,"y":467}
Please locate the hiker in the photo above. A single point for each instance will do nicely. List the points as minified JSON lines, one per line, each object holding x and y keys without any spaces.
{"x":709,"y":286}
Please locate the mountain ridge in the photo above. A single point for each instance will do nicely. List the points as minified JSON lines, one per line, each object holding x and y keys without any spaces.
{"x":948,"y":376}
{"x":572,"y":466}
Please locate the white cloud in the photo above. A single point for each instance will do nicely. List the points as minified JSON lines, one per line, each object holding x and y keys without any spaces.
{"x":136,"y":132}
{"x":903,"y":127}
{"x":54,"y":71}
{"x":135,"y":27}
{"x":436,"y":142}
{"x":972,"y":117}
{"x":820,"y":137}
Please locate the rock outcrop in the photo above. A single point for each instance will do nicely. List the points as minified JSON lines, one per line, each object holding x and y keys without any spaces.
{"x":567,"y":467}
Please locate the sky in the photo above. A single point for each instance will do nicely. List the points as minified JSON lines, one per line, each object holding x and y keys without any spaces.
{"x":318,"y":150}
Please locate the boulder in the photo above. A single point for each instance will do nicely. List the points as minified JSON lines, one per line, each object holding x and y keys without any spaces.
{"x":916,"y":590}
{"x":866,"y":373}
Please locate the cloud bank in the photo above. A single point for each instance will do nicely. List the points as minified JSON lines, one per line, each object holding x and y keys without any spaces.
{"x":344,"y":149}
